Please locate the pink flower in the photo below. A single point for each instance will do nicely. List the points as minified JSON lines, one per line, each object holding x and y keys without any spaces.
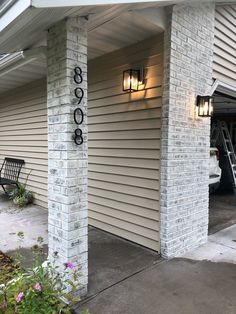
{"x":19,"y":297}
{"x":37,"y":287}
{"x":69,"y":265}
{"x":3,"y":305}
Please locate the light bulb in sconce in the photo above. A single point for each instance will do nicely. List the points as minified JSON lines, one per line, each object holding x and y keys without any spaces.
{"x":132,"y":80}
{"x":204,"y":106}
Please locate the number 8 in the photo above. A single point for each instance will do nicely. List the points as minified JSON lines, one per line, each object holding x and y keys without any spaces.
{"x":78,"y":139}
{"x":78,"y":75}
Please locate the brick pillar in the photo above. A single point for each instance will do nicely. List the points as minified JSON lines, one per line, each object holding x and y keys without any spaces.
{"x":185,"y":137}
{"x":67,"y":162}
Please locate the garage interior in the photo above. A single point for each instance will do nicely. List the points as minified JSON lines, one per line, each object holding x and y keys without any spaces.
{"x":222,"y":202}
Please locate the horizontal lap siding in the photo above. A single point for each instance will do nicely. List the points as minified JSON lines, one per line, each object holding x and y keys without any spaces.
{"x":124,"y":144}
{"x":224,"y":65}
{"x":23,"y":134}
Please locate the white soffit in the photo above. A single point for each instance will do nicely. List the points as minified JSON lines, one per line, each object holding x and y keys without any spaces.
{"x":120,"y":32}
{"x":31,"y":26}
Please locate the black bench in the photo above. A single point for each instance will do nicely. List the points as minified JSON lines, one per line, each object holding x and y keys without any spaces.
{"x":10,"y":171}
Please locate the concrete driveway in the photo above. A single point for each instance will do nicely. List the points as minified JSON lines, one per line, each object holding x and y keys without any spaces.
{"x":178,"y":286}
{"x":128,"y":279}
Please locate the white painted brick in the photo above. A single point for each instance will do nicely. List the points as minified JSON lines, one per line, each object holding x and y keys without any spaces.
{"x":185,"y":138}
{"x":67,"y":165}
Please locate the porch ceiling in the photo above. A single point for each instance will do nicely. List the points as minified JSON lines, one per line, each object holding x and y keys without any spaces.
{"x":22,"y":75}
{"x":110,"y":28}
{"x":31,"y":25}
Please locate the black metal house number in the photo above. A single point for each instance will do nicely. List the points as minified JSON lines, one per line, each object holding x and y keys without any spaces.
{"x":78,"y":113}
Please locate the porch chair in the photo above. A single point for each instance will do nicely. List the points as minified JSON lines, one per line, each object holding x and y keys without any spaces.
{"x":10,"y":171}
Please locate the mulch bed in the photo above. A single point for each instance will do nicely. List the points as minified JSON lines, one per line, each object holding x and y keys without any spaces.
{"x":7,"y":268}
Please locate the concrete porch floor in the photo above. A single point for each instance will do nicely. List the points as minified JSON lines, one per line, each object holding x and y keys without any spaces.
{"x":31,"y":220}
{"x":127,"y":278}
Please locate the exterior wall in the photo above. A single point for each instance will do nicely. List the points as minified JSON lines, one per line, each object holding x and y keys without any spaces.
{"x":185,"y":137}
{"x":224,"y":65}
{"x":23,"y":134}
{"x":124,"y":144}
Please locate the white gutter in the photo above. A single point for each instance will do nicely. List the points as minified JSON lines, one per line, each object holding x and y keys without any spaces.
{"x":12,"y":11}
{"x":18,"y":59}
{"x":6,"y":6}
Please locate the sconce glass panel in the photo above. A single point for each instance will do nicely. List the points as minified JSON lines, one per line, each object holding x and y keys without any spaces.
{"x":205,"y":106}
{"x":131,"y":80}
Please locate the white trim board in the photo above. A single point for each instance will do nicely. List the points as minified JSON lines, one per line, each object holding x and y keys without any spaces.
{"x":71,"y":3}
{"x":223,"y":88}
{"x":76,"y":3}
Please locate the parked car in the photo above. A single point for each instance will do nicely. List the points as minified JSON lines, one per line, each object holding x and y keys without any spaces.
{"x":214,"y":170}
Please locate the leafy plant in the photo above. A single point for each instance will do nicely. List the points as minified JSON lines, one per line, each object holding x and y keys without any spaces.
{"x":40,"y":290}
{"x":20,"y":195}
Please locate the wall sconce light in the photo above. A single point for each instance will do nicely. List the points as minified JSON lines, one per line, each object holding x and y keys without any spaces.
{"x":204,"y":106}
{"x":132,"y":80}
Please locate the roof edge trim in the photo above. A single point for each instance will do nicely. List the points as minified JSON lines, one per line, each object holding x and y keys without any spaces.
{"x":71,"y":3}
{"x":223,"y":88}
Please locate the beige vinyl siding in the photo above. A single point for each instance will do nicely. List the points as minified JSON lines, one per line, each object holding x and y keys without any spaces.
{"x":124,"y":144}
{"x":23,"y":134}
{"x":224,"y":65}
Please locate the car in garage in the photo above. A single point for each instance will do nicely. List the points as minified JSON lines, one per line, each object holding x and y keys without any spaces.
{"x":214,"y":170}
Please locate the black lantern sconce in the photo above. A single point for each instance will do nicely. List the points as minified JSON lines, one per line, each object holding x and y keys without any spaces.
{"x":133,"y":80}
{"x":204,"y":106}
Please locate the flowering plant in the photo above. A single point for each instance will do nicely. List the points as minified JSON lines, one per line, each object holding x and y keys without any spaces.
{"x":20,"y":196}
{"x":40,"y":289}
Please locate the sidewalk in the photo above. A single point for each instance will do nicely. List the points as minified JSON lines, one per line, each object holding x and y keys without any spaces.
{"x":221,"y":247}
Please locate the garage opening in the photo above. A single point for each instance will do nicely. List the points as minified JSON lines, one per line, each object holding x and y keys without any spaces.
{"x":222,"y":174}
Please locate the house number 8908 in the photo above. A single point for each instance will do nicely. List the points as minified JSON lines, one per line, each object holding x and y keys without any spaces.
{"x":78,"y":113}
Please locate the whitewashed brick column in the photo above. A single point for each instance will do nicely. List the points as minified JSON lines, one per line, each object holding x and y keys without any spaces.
{"x":185,"y":137}
{"x":67,"y":162}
